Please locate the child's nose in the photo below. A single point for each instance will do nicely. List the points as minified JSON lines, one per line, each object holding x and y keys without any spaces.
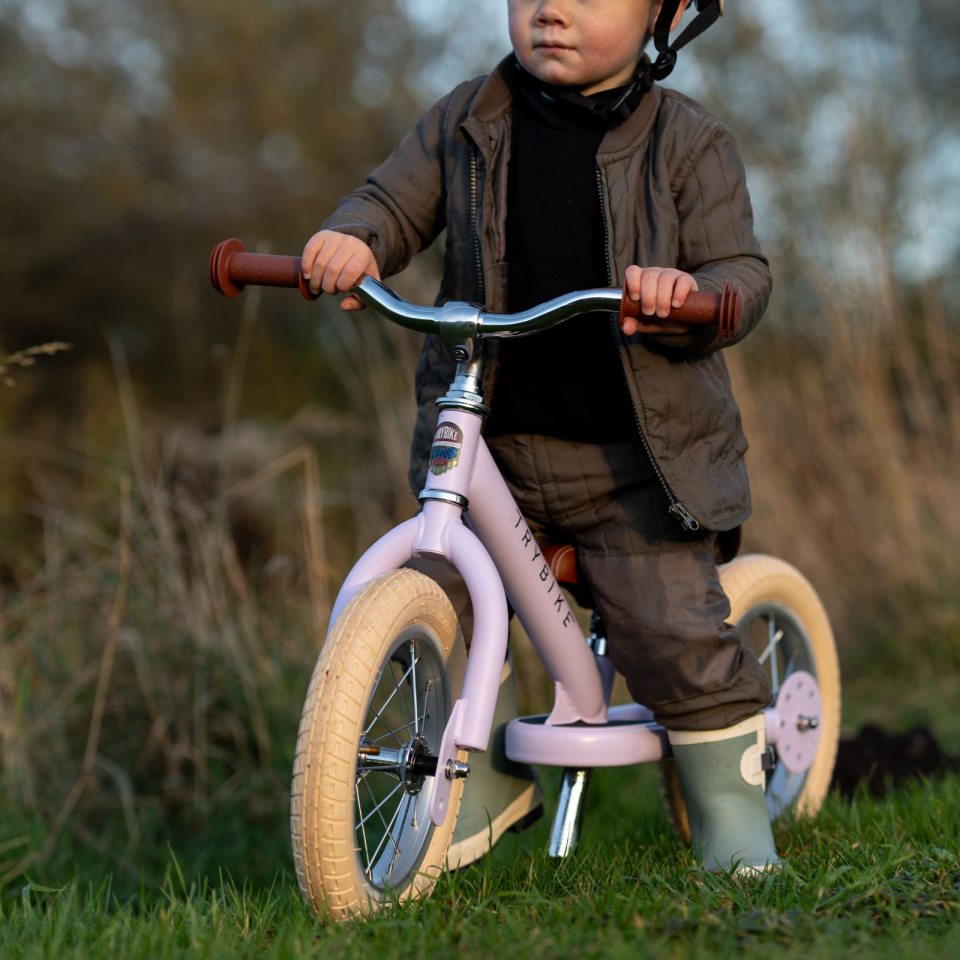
{"x":551,"y":11}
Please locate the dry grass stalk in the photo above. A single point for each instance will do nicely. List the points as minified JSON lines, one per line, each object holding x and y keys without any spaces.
{"x":104,"y":675}
{"x":28,"y":358}
{"x":855,"y":434}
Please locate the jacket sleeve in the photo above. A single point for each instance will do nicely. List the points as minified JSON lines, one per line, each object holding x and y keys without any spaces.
{"x":717,"y":242}
{"x":400,"y":209}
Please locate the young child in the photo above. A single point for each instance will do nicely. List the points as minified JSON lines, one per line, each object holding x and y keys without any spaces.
{"x":568,"y":168}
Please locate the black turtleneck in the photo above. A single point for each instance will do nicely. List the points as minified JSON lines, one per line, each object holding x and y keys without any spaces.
{"x":567,"y":382}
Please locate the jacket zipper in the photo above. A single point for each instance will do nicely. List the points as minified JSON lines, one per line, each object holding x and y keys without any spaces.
{"x":475,"y":224}
{"x":677,"y":509}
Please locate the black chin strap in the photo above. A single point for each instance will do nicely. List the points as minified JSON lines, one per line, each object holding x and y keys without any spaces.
{"x":708,"y":11}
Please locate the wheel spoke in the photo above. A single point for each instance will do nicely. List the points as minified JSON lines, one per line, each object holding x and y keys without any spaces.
{"x":400,"y":685}
{"x":378,"y":714}
{"x":774,"y":636}
{"x":387,"y":835}
{"x":428,"y":686}
{"x":394,"y":731}
{"x":379,"y":805}
{"x":360,"y":825}
{"x":413,"y":685}
{"x":417,"y":723}
{"x":396,"y":842}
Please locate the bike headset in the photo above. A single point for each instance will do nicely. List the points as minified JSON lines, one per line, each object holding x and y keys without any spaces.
{"x":708,"y":11}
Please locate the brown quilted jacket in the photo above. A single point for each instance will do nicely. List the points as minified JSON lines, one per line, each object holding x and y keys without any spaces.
{"x":673,"y":192}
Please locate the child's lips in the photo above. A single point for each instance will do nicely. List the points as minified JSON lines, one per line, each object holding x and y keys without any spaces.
{"x":547,"y":46}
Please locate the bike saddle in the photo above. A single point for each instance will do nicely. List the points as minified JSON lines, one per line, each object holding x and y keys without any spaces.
{"x":565,"y":566}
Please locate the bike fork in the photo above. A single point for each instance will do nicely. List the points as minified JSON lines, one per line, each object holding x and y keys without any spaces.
{"x":565,"y":831}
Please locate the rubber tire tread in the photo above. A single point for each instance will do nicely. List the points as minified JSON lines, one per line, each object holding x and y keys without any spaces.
{"x":750,"y":581}
{"x":322,"y":795}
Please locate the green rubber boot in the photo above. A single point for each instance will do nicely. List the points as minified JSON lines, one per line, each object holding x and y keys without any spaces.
{"x":499,"y":794}
{"x":721,"y":773}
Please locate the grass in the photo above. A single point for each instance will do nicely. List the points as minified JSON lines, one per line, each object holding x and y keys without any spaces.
{"x":879,"y":877}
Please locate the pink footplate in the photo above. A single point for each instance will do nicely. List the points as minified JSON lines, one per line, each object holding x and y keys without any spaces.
{"x":799,"y":708}
{"x":630,"y":736}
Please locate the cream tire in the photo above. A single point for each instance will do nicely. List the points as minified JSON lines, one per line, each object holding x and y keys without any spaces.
{"x":780,"y":615}
{"x":379,"y":698}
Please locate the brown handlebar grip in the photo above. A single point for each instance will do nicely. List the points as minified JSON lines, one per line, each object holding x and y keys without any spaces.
{"x":701,"y":308}
{"x":232,"y":268}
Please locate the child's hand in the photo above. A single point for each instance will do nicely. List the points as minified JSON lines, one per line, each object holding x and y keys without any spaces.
{"x":657,"y":289}
{"x":335,"y":263}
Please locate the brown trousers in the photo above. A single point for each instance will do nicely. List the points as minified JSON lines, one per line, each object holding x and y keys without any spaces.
{"x":655,"y":584}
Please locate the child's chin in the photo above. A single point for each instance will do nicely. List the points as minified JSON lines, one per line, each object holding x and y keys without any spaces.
{"x":557,"y":75}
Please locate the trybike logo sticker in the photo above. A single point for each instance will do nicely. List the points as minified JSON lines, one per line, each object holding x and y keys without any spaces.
{"x":546,"y":576}
{"x":447,"y":444}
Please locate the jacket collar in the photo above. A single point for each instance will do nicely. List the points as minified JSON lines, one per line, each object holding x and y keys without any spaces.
{"x":493,"y":103}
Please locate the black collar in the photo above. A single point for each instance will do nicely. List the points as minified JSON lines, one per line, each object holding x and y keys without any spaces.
{"x":610,"y":107}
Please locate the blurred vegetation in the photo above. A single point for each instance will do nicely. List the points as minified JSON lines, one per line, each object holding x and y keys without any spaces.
{"x":135,"y":136}
{"x":181,"y":491}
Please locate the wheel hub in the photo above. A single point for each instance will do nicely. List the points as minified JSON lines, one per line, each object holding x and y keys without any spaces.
{"x":411,"y":764}
{"x":799,"y":707}
{"x":416,"y":765}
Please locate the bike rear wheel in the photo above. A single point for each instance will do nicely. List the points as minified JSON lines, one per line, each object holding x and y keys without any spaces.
{"x":780,"y":616}
{"x":379,"y":699}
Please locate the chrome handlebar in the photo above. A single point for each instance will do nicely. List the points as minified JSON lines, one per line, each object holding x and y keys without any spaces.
{"x":231,"y":267}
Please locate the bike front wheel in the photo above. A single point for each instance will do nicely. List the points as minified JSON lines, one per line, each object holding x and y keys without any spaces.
{"x":780,"y":617}
{"x":379,"y":699}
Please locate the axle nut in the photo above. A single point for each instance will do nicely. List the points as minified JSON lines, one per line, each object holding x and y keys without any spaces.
{"x":457,"y":770}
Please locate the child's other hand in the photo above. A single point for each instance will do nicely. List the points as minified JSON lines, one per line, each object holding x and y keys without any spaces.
{"x":335,"y":263}
{"x":657,"y":289}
